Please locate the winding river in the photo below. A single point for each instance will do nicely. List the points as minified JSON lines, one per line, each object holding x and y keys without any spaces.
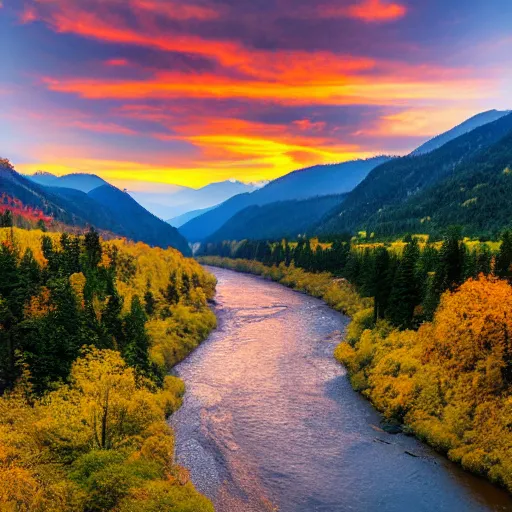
{"x":270,"y":422}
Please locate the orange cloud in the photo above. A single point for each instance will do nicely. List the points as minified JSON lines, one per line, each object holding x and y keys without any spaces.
{"x":352,"y":90}
{"x":418,"y":122}
{"x":376,"y":11}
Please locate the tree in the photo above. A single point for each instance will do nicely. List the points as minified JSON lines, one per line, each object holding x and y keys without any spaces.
{"x":383,"y":282}
{"x":149,"y":298}
{"x":111,"y":318}
{"x":503,"y":266}
{"x":171,"y":293}
{"x":406,"y":292}
{"x":93,"y":250}
{"x":6,"y":219}
{"x":136,"y":352}
{"x":449,"y":271}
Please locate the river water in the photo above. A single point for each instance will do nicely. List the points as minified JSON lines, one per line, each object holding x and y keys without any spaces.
{"x":270,"y":422}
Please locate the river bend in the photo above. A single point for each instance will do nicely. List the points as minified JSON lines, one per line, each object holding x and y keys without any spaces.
{"x":270,"y":422}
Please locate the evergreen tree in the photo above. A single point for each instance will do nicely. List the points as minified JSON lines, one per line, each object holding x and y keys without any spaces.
{"x":382,"y":286}
{"x":6,"y":219}
{"x":503,"y":265}
{"x":172,"y":293}
{"x":136,"y":352}
{"x":111,"y":318}
{"x":406,"y":292}
{"x":149,"y":299}
{"x":450,"y":269}
{"x":93,"y":249}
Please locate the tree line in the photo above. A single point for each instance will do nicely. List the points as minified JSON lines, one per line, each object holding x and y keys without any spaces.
{"x":406,"y":284}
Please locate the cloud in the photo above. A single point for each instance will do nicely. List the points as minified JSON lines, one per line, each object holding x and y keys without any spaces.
{"x":117,"y":62}
{"x":376,"y":11}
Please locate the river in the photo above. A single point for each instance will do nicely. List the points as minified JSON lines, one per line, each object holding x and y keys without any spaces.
{"x":270,"y":422}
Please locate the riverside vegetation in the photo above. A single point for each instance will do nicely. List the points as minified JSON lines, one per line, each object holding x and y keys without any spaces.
{"x":88,"y":332}
{"x":429,"y":342}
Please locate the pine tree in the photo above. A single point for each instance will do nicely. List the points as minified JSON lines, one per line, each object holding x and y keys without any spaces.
{"x":149,"y":299}
{"x":503,"y":265}
{"x":172,"y":293}
{"x":93,"y":250}
{"x":382,"y":287}
{"x":450,"y":269}
{"x":111,"y":317}
{"x":136,"y":352}
{"x":406,"y":292}
{"x":185,"y":285}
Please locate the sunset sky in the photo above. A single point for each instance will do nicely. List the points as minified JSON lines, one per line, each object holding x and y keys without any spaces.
{"x":195,"y":92}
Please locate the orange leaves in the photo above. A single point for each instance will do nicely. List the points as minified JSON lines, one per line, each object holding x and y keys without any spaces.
{"x":39,"y":305}
{"x":472,"y":326}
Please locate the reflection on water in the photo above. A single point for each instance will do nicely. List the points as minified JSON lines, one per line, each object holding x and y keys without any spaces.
{"x":270,"y":422}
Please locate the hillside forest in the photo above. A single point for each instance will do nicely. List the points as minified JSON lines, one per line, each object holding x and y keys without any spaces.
{"x":88,"y":332}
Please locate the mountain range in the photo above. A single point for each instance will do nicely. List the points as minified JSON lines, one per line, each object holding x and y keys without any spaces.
{"x":104,"y":207}
{"x":176,"y":200}
{"x":404,"y":178}
{"x":314,"y":181}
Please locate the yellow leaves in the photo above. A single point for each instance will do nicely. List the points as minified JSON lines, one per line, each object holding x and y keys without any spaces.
{"x":470,"y":202}
{"x":49,"y":456}
{"x":18,"y":489}
{"x":472,"y":325}
{"x":447,"y":380}
{"x":77,"y":282}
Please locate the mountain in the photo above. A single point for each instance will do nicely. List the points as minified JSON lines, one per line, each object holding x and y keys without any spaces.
{"x":465,"y":127}
{"x":302,"y":184}
{"x":178,"y":221}
{"x":105,"y":207}
{"x":79,"y":181}
{"x":475,"y":196}
{"x":170,"y":205}
{"x":42,"y":177}
{"x":319,"y":180}
{"x":394,"y":182}
{"x":283,"y":219}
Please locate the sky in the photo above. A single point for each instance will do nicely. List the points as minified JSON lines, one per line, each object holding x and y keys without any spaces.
{"x":151,"y":92}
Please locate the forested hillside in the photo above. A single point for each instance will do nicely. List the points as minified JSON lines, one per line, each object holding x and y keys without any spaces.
{"x":284,"y":219}
{"x":403,"y":178}
{"x":105,"y":207}
{"x":88,"y":332}
{"x":477,"y":196}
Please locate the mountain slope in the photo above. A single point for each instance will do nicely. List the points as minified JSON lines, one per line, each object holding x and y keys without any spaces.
{"x":319,"y":180}
{"x":302,"y":184}
{"x":283,"y":219}
{"x":465,"y":127}
{"x":110,"y":210}
{"x":180,"y":220}
{"x":476,"y":196}
{"x":186,"y":199}
{"x":395,"y":181}
{"x":136,"y":222}
{"x":78,"y":181}
{"x":200,"y":228}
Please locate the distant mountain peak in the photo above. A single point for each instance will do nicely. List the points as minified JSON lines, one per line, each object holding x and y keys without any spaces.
{"x":45,"y":173}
